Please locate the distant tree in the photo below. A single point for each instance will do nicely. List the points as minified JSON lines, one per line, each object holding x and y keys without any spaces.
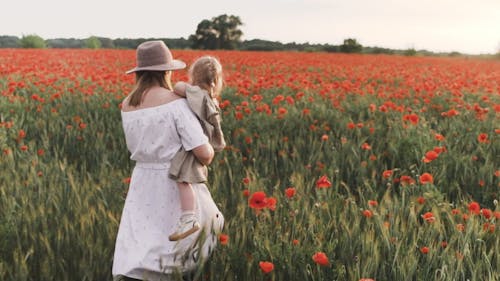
{"x":410,"y":52}
{"x":261,"y":45}
{"x":126,"y":43}
{"x":9,"y":42}
{"x":93,"y":43}
{"x":106,"y":42}
{"x":377,"y":50}
{"x":331,"y":48}
{"x":33,"y":41}
{"x":205,"y":36}
{"x":221,"y":32}
{"x":177,"y":43}
{"x":71,"y":43}
{"x":351,"y":46}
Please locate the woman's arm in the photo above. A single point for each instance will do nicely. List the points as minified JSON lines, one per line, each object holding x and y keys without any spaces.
{"x":204,"y":153}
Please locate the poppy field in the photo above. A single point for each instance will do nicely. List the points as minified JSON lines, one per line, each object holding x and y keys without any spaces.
{"x":338,"y":167}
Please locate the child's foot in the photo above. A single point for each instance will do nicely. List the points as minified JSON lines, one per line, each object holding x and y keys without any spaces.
{"x":187,"y":225}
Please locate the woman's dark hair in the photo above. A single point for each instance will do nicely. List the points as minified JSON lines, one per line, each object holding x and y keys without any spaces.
{"x":144,"y":80}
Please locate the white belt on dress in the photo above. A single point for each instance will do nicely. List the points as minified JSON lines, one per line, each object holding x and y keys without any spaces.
{"x":153,"y":165}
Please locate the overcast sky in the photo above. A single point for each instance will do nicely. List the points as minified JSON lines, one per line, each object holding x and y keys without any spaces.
{"x":437,"y":25}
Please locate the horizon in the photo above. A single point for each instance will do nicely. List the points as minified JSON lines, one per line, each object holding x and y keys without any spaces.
{"x":441,"y":26}
{"x":293,"y":42}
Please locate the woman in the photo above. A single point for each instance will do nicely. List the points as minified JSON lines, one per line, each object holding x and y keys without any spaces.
{"x":157,"y":123}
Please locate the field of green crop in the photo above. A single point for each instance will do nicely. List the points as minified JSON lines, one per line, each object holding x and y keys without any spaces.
{"x":338,"y":167}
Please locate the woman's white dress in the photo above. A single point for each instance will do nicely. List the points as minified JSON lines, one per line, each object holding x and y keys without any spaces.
{"x":151,"y":209}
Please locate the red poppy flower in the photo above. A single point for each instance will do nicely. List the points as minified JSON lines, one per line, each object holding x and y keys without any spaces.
{"x":429,"y":217}
{"x":372,"y":203}
{"x":439,"y":149}
{"x":430,"y":156}
{"x":421,"y":200}
{"x":82,"y":125}
{"x":489,"y":227}
{"x":366,"y":146}
{"x":278,"y":99}
{"x":290,"y":192}
{"x":474,"y":208}
{"x":483,"y":138}
{"x":486,"y":213}
{"x":424,"y":250}
{"x":497,"y":215}
{"x":412,"y":118}
{"x":282,"y":110}
{"x":266,"y":266}
{"x":223,"y":239}
{"x":426,"y":178}
{"x":321,"y":259}
{"x":450,"y":113}
{"x":367,"y":213}
{"x":439,"y":137}
{"x":406,"y":180}
{"x":258,"y":200}
{"x":387,"y":174}
{"x":271,"y":203}
{"x":323,"y":182}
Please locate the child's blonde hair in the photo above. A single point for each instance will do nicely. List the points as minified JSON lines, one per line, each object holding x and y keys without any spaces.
{"x":206,"y":73}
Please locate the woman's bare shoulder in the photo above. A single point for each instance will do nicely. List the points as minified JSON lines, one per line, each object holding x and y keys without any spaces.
{"x":154,"y":97}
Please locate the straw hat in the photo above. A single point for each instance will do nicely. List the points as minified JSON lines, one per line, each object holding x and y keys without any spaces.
{"x":155,"y":56}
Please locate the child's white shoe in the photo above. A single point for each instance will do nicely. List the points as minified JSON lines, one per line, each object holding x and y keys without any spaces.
{"x":187,"y":225}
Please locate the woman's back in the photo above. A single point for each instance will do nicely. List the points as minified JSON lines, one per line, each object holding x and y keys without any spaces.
{"x":155,"y":134}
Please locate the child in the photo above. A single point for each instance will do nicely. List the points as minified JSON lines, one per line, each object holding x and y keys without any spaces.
{"x":205,"y":86}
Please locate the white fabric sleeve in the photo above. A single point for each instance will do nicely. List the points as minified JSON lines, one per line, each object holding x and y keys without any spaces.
{"x":189,"y":128}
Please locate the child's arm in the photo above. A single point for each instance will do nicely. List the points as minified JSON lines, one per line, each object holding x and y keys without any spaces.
{"x":180,"y":89}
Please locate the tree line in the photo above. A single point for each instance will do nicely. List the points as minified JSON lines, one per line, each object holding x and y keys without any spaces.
{"x":221,"y":32}
{"x":94,"y":42}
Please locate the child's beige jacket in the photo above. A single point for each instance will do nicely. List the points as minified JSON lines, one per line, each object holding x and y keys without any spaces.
{"x":184,"y":166}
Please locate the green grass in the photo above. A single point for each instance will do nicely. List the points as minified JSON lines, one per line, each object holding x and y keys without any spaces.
{"x":60,"y":210}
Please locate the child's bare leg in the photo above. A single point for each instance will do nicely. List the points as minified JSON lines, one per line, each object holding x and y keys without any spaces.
{"x":187,"y":197}
{"x":188,"y":223}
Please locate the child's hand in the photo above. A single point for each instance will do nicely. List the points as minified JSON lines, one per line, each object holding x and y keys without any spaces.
{"x":216,"y":101}
{"x":180,"y":89}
